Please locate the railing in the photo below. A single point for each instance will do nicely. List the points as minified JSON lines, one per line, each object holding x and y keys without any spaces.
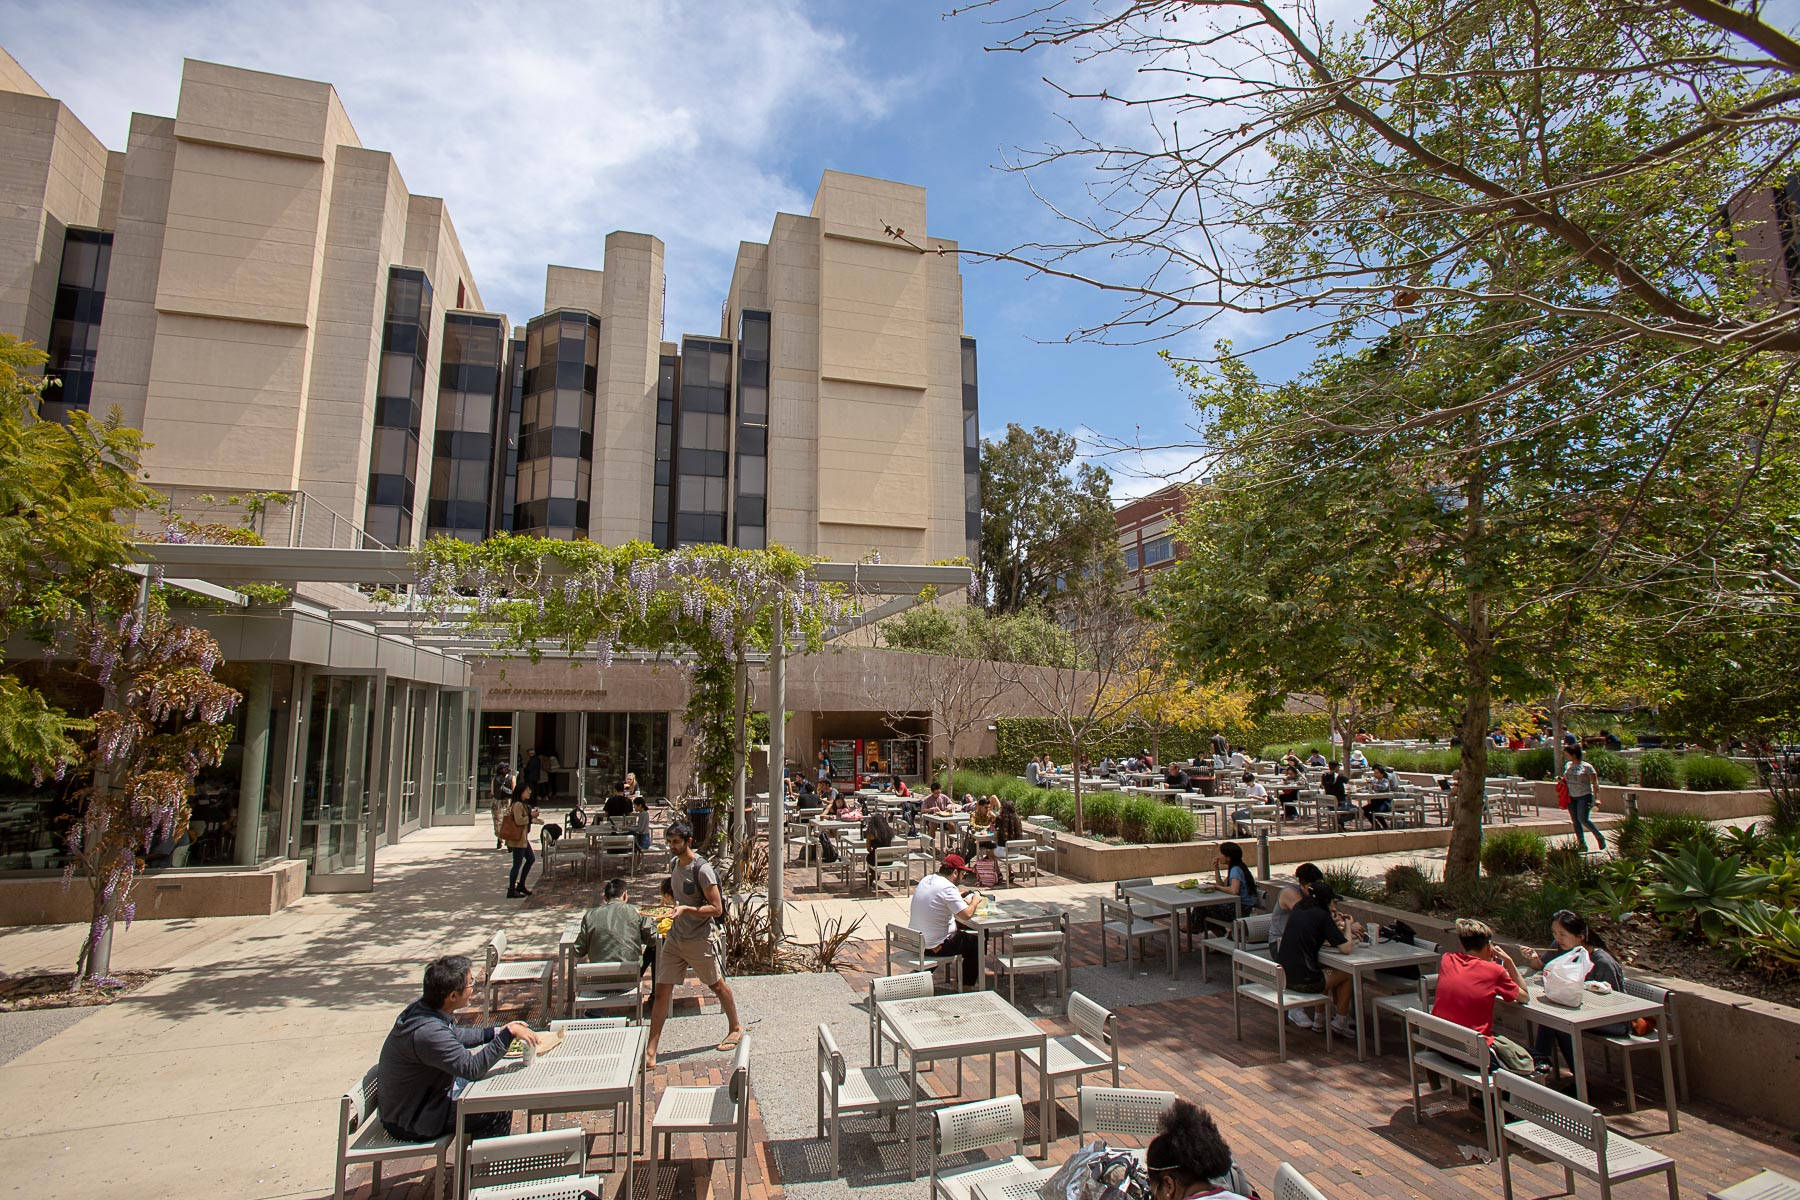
{"x":280,"y":517}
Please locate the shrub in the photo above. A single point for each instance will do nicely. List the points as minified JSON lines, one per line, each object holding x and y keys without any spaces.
{"x":1611,"y":766}
{"x":1348,"y":883}
{"x":1536,"y":763}
{"x":1697,"y":891}
{"x":1671,"y":831}
{"x":1708,"y":773}
{"x":1404,"y":879}
{"x":1135,"y":816}
{"x":1657,"y":769}
{"x":1501,"y":762}
{"x":1171,"y":824}
{"x":1100,"y":814}
{"x":1512,"y":852}
{"x":1767,"y":939}
{"x":1568,"y":865}
{"x":1525,"y":912}
{"x":1477,"y":897}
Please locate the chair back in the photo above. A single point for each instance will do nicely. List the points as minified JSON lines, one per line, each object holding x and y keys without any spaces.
{"x":1455,"y":1042}
{"x":832,"y":1070}
{"x":1521,"y":1099}
{"x":620,"y":974}
{"x":1254,"y":928}
{"x":496,"y":949}
{"x":740,"y":1074}
{"x":906,"y":938}
{"x":578,"y":1024}
{"x":1649,"y":991}
{"x":1131,"y":1111}
{"x":890,"y":856}
{"x":910,"y":986}
{"x":1292,"y":1185}
{"x":1020,"y":848}
{"x":617,"y":843}
{"x":359,"y":1103}
{"x":1092,"y":1020}
{"x":524,"y":1157}
{"x":1120,"y":887}
{"x":981,"y":1126}
{"x":1254,"y":968}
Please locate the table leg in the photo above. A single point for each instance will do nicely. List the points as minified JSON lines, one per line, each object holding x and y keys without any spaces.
{"x":1580,"y":1064}
{"x":1045,"y":1108}
{"x":1356,"y":1007}
{"x":1668,"y":1072}
{"x":629,"y":1117}
{"x":912,"y":1115}
{"x":1174,"y":943}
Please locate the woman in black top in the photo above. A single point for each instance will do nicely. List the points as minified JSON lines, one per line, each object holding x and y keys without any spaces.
{"x":1310,"y":928}
{"x":1570,"y":931}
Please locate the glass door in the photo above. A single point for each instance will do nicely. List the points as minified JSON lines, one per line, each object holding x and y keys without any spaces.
{"x":414,"y":778}
{"x":340,"y":743}
{"x":451,"y":803}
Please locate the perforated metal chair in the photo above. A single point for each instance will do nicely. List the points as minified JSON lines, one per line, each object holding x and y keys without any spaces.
{"x":1401,"y":1003}
{"x":724,"y":1108}
{"x":890,"y":863}
{"x":1629,"y":1043}
{"x":1021,"y":858}
{"x":1261,"y":981}
{"x":846,"y":1091}
{"x":568,"y":1187}
{"x":567,"y":849}
{"x":911,"y":986}
{"x":527,"y":1157}
{"x":1091,"y":1048}
{"x":1030,"y":952}
{"x":1244,"y":933}
{"x":500,"y":973}
{"x":1290,"y":1184}
{"x":1458,"y":1055}
{"x":1130,"y":1111}
{"x":1117,"y":919}
{"x":607,"y":985}
{"x":906,"y":947}
{"x":577,"y":1024}
{"x":362,"y":1139}
{"x":981,"y":1125}
{"x":1571,"y":1134}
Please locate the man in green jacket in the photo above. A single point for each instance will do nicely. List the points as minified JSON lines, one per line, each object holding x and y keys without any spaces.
{"x":614,"y":930}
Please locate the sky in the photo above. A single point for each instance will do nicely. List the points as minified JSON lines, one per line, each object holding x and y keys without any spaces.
{"x":546,"y":127}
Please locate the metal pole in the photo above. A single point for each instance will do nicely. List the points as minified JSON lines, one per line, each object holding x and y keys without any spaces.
{"x":1262,"y":854}
{"x":740,"y":712}
{"x":777,"y":757}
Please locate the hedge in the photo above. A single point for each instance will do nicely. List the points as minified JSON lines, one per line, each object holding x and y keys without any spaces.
{"x":1019,"y":739}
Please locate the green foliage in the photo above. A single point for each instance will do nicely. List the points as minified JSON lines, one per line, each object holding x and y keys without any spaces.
{"x":1536,"y":763}
{"x":1349,"y":883}
{"x":1025,"y":797}
{"x":1670,"y":831}
{"x":1566,"y":864}
{"x":1696,"y":891}
{"x":1101,"y":813}
{"x":1657,"y":769}
{"x":1611,"y":766}
{"x":1135,"y":817}
{"x":1409,"y":886}
{"x":1767,"y":938}
{"x":1044,"y":516}
{"x":1707,"y":773}
{"x":1512,"y":851}
{"x":1018,"y":739}
{"x":1030,"y":635}
{"x":1403,"y":879}
{"x":1172,"y":824}
{"x":1617,"y":896}
{"x":1748,"y":842}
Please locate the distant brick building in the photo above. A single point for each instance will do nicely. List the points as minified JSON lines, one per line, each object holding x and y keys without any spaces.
{"x":1146,"y":529}
{"x":1766,"y":219}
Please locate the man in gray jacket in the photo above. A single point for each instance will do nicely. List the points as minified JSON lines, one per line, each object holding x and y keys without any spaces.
{"x":427,"y":1059}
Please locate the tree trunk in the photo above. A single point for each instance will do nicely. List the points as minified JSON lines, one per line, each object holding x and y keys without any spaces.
{"x":1464,"y":858}
{"x":1557,"y":728}
{"x":1075,"y":770}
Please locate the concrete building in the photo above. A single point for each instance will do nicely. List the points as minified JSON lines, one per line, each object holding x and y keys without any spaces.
{"x":1146,"y":529}
{"x":265,"y":298}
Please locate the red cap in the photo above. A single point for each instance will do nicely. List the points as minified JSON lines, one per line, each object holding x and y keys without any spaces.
{"x":954,"y":862}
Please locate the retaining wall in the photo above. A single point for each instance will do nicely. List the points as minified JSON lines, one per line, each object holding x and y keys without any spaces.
{"x":232,"y":892}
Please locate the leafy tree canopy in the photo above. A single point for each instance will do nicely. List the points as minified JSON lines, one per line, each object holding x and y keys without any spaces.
{"x":1045,"y":518}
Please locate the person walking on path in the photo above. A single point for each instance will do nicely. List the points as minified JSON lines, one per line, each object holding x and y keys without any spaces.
{"x":515,"y":828}
{"x":504,"y":782}
{"x":1580,"y":778}
{"x":689,"y":944}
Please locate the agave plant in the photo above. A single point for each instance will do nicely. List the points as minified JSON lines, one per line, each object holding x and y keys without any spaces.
{"x":1697,"y":885}
{"x":1767,"y":937}
{"x":1617,"y":896}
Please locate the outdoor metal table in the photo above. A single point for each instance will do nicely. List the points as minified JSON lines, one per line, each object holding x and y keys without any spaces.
{"x":944,"y":825}
{"x":1768,"y":1185}
{"x":1364,"y":958}
{"x":1597,"y":1010}
{"x":1176,"y":901}
{"x":592,"y":1069}
{"x":1000,"y":918}
{"x":934,"y":1028}
{"x":1221,"y":806}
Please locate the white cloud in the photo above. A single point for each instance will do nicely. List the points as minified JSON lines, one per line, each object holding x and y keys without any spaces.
{"x":544,"y":128}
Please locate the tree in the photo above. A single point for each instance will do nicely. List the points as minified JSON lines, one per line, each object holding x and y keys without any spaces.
{"x":1043,"y":516}
{"x":1166,"y":699}
{"x":1088,"y":690}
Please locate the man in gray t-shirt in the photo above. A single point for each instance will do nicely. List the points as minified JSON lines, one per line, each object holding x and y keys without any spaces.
{"x":689,"y":943}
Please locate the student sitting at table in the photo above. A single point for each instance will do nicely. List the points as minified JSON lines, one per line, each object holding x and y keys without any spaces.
{"x":618,"y":804}
{"x":1238,"y":760}
{"x":428,"y":1059}
{"x":1034,"y":774}
{"x":1315,"y":760}
{"x":1290,"y":760}
{"x":878,"y":834}
{"x":615,"y":931}
{"x":1174,"y":777}
{"x":938,"y":906}
{"x":1310,"y":928}
{"x":1305,"y":875}
{"x":1288,"y":790}
{"x":1357,"y":758}
{"x":1470,"y":981}
{"x":1254,"y":793}
{"x":935,"y":801}
{"x":1231,"y":875}
{"x":981,"y":816}
{"x":1384,"y":787}
{"x":1570,"y":932}
{"x":987,"y":867}
{"x":1335,"y":786}
{"x":1189,"y":1158}
{"x":640,"y":815}
{"x":1007,"y":826}
{"x":843,"y":808}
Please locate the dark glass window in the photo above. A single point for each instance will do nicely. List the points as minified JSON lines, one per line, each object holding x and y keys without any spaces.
{"x":74,"y":344}
{"x":555,"y":438}
{"x":399,"y":404}
{"x":699,"y":430}
{"x":971,"y":398}
{"x":752,"y":430}
{"x":468,"y":411}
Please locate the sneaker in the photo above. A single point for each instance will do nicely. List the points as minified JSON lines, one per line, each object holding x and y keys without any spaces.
{"x":1299,"y":1017}
{"x":512,"y":894}
{"x":1341,"y":1026}
{"x":524,"y":891}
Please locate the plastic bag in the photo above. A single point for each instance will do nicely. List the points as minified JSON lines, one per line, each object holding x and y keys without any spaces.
{"x":1098,"y":1172}
{"x":1565,"y":977}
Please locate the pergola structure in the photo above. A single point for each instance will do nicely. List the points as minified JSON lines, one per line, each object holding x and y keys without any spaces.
{"x":212,"y":570}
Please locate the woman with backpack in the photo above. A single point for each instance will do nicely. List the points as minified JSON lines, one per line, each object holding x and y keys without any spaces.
{"x":515,"y":828}
{"x":504,"y":782}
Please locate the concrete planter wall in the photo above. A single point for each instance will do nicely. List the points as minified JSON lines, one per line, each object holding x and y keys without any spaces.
{"x":242,"y":892}
{"x":1740,"y":1053}
{"x":1714,"y":806}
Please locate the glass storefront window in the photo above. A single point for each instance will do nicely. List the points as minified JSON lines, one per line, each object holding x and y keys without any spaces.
{"x":334,"y":774}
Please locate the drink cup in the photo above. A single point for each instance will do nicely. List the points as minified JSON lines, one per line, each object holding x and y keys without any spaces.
{"x":530,"y":1053}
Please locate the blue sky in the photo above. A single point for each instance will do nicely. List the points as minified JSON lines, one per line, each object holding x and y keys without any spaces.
{"x":546,"y":127}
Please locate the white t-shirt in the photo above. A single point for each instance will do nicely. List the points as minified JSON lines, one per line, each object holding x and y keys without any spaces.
{"x":1238,"y":759}
{"x":1256,"y":791}
{"x":935,"y":904}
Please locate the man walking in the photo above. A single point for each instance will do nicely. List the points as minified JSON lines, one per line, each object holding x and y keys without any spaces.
{"x":689,"y":944}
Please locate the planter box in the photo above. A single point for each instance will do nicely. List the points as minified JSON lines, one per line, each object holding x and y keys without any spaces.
{"x":1740,"y":1053}
{"x":1096,"y":861}
{"x":1714,"y":806}
{"x":229,"y":892}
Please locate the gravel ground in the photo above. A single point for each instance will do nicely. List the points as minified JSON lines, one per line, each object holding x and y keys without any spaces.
{"x":20,"y":1031}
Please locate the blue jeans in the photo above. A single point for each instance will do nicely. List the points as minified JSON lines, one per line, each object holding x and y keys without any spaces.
{"x":524,"y":857}
{"x":1581,"y":813}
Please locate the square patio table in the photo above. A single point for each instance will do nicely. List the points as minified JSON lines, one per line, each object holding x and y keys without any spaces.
{"x":1221,"y":807}
{"x":1597,"y":1010}
{"x":944,"y":825}
{"x":1365,"y":958}
{"x":1001,"y":918}
{"x":1767,"y":1185}
{"x":1178,"y":900}
{"x":1026,"y":1185}
{"x":959,"y":1026}
{"x":592,"y":1069}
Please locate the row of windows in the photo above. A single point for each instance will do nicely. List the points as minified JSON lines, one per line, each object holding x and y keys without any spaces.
{"x":74,"y":346}
{"x":667,"y":373}
{"x":554,"y":478}
{"x":971,"y":402}
{"x":1157,"y":550}
{"x":399,"y":405}
{"x":752,"y":431}
{"x":702,"y":449}
{"x":564,"y":409}
{"x":565,"y":519}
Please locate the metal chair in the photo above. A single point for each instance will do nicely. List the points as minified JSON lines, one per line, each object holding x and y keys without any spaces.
{"x":1244,"y":933}
{"x":568,"y":1187}
{"x":720,"y":1109}
{"x":362,"y":1138}
{"x":561,"y":849}
{"x":1130,"y":1111}
{"x":1092,"y":1047}
{"x":907,"y":946}
{"x":1020,"y":857}
{"x":619,"y":848}
{"x":981,"y":1125}
{"x":1454,"y":1053}
{"x":1118,"y":919}
{"x":1571,"y":1134}
{"x":890,"y":862}
{"x":577,"y":1024}
{"x":527,"y":1157}
{"x":500,"y":973}
{"x":1401,"y":1003}
{"x":1030,"y":952}
{"x":607,"y":985}
{"x":911,"y":986}
{"x":1292,"y":1185}
{"x":1627,"y":1043}
{"x":1260,"y":981}
{"x":846,"y":1091}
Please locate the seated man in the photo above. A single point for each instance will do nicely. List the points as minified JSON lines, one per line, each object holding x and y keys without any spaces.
{"x":938,"y":904}
{"x":618,"y":804}
{"x":1468,"y":984}
{"x":615,"y":931}
{"x":428,"y":1059}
